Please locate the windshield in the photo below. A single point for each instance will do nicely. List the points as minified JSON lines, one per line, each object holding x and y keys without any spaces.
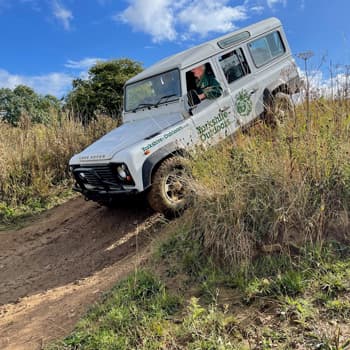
{"x":153,"y":91}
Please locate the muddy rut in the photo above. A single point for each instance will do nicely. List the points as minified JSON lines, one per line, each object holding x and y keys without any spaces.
{"x":55,"y":267}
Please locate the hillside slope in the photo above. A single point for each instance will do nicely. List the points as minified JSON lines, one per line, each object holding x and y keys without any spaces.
{"x":54,"y":268}
{"x":261,"y":260}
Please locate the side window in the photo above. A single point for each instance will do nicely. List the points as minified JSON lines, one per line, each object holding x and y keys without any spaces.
{"x":234,"y":65}
{"x":202,"y":84}
{"x":267,"y":48}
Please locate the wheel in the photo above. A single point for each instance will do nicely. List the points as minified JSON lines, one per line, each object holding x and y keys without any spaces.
{"x":279,"y":109}
{"x":170,"y":191}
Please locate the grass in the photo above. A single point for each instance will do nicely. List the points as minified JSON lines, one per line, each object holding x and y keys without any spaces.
{"x":34,"y":163}
{"x":136,"y":312}
{"x":262,"y":259}
{"x":175,"y":305}
{"x":274,"y":187}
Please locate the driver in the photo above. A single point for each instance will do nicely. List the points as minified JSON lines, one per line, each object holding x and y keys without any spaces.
{"x":207,"y":87}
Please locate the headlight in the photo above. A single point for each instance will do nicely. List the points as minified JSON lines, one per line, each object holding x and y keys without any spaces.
{"x":122,"y":171}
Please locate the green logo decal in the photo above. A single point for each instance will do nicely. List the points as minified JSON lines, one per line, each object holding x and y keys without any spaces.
{"x":213,"y":126}
{"x":243,"y":103}
{"x":165,"y":136}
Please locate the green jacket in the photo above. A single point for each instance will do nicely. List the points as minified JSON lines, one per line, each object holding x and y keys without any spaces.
{"x":208,"y":86}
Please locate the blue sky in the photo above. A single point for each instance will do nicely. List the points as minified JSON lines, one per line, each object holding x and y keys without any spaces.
{"x":46,"y":43}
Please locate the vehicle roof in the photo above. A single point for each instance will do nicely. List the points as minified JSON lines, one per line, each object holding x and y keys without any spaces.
{"x":200,"y":52}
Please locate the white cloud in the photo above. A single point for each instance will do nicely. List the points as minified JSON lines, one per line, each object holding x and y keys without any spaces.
{"x":56,"y":84}
{"x":164,"y":19}
{"x":85,"y":63}
{"x":273,"y":3}
{"x":211,"y":16}
{"x":323,"y":85}
{"x":156,"y":18}
{"x":258,"y":9}
{"x":329,"y":86}
{"x":62,"y":14}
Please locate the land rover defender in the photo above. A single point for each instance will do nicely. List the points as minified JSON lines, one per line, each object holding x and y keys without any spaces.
{"x":201,"y":95}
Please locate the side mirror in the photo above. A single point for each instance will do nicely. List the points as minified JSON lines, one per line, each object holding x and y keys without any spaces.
{"x":192,"y":98}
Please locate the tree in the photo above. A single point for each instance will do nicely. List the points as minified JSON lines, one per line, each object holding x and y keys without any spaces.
{"x":8,"y":108}
{"x":23,"y":101}
{"x":102,"y":91}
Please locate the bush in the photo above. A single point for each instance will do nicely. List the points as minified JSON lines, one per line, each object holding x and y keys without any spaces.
{"x":273,"y":187}
{"x":34,"y":161}
{"x":23,"y":102}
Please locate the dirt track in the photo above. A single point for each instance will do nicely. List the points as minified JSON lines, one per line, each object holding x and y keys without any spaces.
{"x":55,"y":267}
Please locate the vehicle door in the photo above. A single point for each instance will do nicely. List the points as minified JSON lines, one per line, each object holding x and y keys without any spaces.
{"x":212,"y":109}
{"x":242,"y":85}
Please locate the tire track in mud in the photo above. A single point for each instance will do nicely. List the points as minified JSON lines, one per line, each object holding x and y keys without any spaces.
{"x":55,"y":267}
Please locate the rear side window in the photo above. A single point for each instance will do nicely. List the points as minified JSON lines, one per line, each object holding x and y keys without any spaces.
{"x":266,"y":49}
{"x":234,"y":65}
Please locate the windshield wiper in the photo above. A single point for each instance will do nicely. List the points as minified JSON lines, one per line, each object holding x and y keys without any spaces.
{"x":164,"y":97}
{"x":140,"y":105}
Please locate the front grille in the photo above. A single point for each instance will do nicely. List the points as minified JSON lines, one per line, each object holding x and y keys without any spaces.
{"x":103,"y":171}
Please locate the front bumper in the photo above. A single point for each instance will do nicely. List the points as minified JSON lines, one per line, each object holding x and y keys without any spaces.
{"x":98,"y":182}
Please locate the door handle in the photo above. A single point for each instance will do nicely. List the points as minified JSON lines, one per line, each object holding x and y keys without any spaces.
{"x":252,"y":92}
{"x":223,"y":109}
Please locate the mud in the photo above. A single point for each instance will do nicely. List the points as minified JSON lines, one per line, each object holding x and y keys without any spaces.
{"x":55,"y":267}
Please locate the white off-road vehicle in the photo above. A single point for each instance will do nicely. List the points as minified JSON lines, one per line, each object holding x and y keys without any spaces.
{"x":199,"y":96}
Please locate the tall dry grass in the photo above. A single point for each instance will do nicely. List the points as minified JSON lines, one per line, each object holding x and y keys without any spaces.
{"x":280,"y":187}
{"x":34,"y":160}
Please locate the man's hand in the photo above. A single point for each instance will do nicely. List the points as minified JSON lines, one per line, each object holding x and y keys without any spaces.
{"x":202,"y":97}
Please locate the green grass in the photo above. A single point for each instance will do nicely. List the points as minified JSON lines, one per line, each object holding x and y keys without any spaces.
{"x":15,"y":217}
{"x":135,"y":313}
{"x":186,"y":301}
{"x":214,"y":284}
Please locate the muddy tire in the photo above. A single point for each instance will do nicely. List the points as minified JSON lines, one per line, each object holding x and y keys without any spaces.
{"x":279,"y":109}
{"x":170,"y":191}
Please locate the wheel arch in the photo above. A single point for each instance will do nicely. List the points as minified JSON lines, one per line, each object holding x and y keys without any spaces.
{"x":153,"y":162}
{"x":269,"y":94}
{"x":281,"y":88}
